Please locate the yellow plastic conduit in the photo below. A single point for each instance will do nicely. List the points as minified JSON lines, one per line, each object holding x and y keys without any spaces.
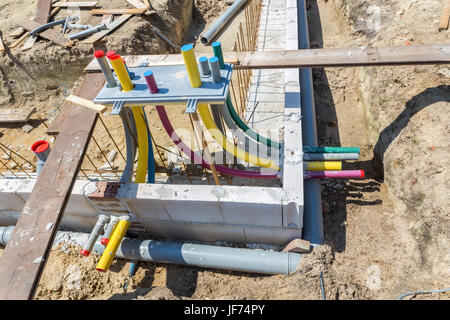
{"x":142,"y":144}
{"x":113,"y":244}
{"x":324,"y":165}
{"x":230,"y":147}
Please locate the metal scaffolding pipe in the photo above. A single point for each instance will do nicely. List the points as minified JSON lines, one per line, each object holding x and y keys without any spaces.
{"x":209,"y":35}
{"x":312,"y":216}
{"x":189,"y":254}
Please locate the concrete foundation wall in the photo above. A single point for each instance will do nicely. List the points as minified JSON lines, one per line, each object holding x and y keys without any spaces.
{"x":181,"y":212}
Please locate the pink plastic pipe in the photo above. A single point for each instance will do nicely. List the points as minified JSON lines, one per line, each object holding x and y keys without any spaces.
{"x":343,"y":174}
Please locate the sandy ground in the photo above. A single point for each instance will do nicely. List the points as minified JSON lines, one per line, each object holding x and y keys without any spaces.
{"x":386,"y":234}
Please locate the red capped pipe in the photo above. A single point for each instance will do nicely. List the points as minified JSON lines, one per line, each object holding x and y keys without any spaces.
{"x":93,"y":236}
{"x":104,"y":66}
{"x":109,"y":230}
{"x":41,"y":150}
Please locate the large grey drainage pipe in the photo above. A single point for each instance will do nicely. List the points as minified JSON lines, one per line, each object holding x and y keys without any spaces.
{"x":312,"y":217}
{"x":189,"y":254}
{"x":209,"y":35}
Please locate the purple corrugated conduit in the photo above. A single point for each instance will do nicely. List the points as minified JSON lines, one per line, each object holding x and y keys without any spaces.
{"x":198,"y":159}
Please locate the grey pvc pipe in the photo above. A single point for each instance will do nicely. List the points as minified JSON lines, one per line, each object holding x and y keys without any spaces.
{"x":104,"y":65}
{"x":217,"y":116}
{"x":79,"y":26}
{"x":312,"y":213}
{"x":95,"y":233}
{"x":88,"y":32}
{"x":214,"y":66}
{"x":330,"y":156}
{"x":51,"y":24}
{"x":209,"y":35}
{"x":109,"y":229}
{"x":203,"y":66}
{"x":189,"y":254}
{"x":130,"y":129}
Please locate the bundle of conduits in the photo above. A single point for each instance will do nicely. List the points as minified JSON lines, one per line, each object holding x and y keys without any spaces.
{"x":138,"y":136}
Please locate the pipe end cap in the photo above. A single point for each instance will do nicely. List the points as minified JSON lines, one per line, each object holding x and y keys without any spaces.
{"x":85,"y":253}
{"x":39,"y":146}
{"x":187,"y":47}
{"x":104,"y":241}
{"x":110,"y":53}
{"x":99,"y":54}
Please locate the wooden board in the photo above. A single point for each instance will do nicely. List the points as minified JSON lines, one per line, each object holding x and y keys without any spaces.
{"x":313,"y":58}
{"x":41,"y":16}
{"x":24,"y":258}
{"x":107,"y":18}
{"x":42,"y":11}
{"x":15,"y":115}
{"x":443,"y":24}
{"x":84,"y":4}
{"x":84,"y":90}
{"x":29,"y":43}
{"x":2,"y":44}
{"x":116,"y":11}
{"x":17,"y":32}
{"x":82,"y":102}
{"x":137,"y":4}
{"x":113,"y":25}
{"x":19,"y":41}
{"x":49,"y":34}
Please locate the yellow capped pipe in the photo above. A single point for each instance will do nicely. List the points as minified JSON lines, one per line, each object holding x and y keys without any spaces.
{"x":190,"y":62}
{"x":141,"y":128}
{"x":121,"y":72}
{"x":323,"y":165}
{"x":113,"y":244}
{"x":230,"y":147}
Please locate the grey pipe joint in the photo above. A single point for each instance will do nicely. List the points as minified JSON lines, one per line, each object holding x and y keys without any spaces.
{"x":93,"y":236}
{"x":109,"y":230}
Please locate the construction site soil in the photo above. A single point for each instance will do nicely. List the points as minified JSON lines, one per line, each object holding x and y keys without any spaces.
{"x":385,"y":235}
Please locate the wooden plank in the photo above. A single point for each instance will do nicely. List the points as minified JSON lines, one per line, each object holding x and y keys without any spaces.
{"x":83,"y":90}
{"x":42,"y":11}
{"x":117,"y":11}
{"x":81,"y":102}
{"x":2,"y":44}
{"x":443,"y":24}
{"x":19,"y":41}
{"x":41,"y":16}
{"x":29,"y":43}
{"x":48,"y":34}
{"x":17,"y":32}
{"x":107,"y":18}
{"x":24,"y":258}
{"x":84,"y":4}
{"x":313,"y":58}
{"x":137,"y":4}
{"x":113,"y":25}
{"x":15,"y":115}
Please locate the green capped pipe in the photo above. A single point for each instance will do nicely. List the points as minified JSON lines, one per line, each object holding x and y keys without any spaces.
{"x":330,"y":149}
{"x":252,"y":134}
{"x":217,"y":49}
